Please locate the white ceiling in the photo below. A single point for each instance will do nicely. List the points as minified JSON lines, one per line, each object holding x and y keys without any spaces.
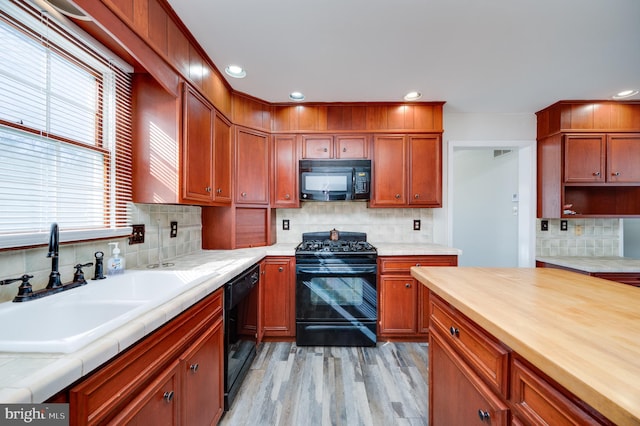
{"x":491,"y":56}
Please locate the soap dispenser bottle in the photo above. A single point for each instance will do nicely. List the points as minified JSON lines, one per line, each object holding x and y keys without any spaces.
{"x":115,"y":264}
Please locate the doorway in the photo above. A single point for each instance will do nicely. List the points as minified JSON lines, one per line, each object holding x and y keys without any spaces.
{"x":492,"y":203}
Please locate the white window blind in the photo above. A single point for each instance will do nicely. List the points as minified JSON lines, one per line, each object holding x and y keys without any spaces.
{"x":65,"y":141}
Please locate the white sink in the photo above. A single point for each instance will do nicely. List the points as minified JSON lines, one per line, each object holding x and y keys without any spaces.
{"x":68,"y":321}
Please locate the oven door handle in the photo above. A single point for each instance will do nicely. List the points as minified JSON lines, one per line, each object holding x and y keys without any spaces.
{"x":335,"y":270}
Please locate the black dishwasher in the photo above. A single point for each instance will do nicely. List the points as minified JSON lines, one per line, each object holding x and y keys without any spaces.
{"x":240,"y":327}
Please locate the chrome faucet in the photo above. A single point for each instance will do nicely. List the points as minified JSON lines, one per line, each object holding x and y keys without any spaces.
{"x":54,"y":247}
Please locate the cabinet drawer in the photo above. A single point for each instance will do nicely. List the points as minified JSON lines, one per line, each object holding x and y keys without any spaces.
{"x":485,"y":354}
{"x":536,"y":401}
{"x":402,"y":264}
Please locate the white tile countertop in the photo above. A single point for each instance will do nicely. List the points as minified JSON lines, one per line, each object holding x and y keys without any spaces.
{"x":414,"y":249}
{"x":35,"y":377}
{"x":594,"y":264}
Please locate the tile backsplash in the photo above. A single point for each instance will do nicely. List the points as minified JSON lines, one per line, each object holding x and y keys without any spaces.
{"x":156,"y":219}
{"x":598,"y":237}
{"x":381,"y":225}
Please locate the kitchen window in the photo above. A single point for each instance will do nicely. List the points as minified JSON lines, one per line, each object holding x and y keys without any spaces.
{"x":65,"y":131}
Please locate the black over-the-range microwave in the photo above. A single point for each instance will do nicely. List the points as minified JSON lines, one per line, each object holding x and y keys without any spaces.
{"x":335,"y":180}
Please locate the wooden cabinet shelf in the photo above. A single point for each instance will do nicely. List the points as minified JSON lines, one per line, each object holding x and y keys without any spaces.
{"x":588,"y":156}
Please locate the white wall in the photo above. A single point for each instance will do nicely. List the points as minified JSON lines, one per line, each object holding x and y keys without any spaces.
{"x":476,"y":127}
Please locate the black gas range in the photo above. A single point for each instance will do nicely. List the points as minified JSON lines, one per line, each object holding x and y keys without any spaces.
{"x":336,"y":291}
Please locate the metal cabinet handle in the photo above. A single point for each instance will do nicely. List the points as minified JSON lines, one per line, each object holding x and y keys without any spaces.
{"x":168,"y":396}
{"x":194,"y":367}
{"x":596,"y":173}
{"x":397,"y":196}
{"x":207,"y":188}
{"x":344,"y":149}
{"x":416,"y":196}
{"x":287,"y":196}
{"x":454,"y":331}
{"x":280,"y":269}
{"x":325,"y":149}
{"x":615,"y":174}
{"x":407,"y":285}
{"x":244,"y":194}
{"x":219,"y":191}
{"x":484,"y":415}
{"x":417,"y":264}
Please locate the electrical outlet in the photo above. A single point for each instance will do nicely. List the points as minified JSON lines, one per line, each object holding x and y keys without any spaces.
{"x":285,"y":224}
{"x":416,"y":224}
{"x":544,"y":225}
{"x":578,"y":229}
{"x":137,"y":235}
{"x":174,"y":229}
{"x":564,"y":225}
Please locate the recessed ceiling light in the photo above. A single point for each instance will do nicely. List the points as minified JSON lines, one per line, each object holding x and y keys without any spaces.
{"x":625,"y":94}
{"x":235,"y":71}
{"x":412,"y":96}
{"x":296,"y":96}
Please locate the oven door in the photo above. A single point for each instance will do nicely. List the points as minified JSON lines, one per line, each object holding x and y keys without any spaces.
{"x":336,"y":293}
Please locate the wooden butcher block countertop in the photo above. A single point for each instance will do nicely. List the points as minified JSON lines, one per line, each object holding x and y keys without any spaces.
{"x":582,"y":331}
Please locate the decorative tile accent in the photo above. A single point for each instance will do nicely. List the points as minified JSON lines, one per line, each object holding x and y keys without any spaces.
{"x":600,"y":237}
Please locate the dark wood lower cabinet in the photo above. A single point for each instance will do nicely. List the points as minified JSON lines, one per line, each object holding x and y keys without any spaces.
{"x":457,"y":396}
{"x":173,"y":376}
{"x":475,"y":379}
{"x":278,"y":297}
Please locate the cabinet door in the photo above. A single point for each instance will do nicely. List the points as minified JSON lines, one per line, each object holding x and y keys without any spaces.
{"x":457,"y":396}
{"x":539,"y":402}
{"x":203,"y":378}
{"x":356,"y":146}
{"x":623,"y":158}
{"x":252,"y":167}
{"x":584,"y":158}
{"x":398,"y":305}
{"x":320,"y":146}
{"x":197,"y":148}
{"x":156,"y":405}
{"x":425,"y":170}
{"x":278,"y":297}
{"x":423,"y":309}
{"x":223,"y":149}
{"x":389,"y":174}
{"x":285,"y":172}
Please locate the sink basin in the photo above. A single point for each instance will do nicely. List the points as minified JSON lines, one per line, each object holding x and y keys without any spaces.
{"x":68,"y":321}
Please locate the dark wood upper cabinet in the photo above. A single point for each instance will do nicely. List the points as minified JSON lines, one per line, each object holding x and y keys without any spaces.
{"x":197,"y":148}
{"x":588,"y":156}
{"x":285,"y":172}
{"x":223,"y":150}
{"x":252,"y":167}
{"x":425,"y":170}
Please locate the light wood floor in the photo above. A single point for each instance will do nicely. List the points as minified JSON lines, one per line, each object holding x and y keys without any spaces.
{"x":290,"y":385}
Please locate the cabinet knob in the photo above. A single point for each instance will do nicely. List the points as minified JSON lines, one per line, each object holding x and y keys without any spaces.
{"x":219,"y":191}
{"x":194,"y":367}
{"x":287,"y":196}
{"x":417,"y":264}
{"x":280,"y":269}
{"x":325,"y":150}
{"x":596,"y":173}
{"x":483,"y":415}
{"x":416,"y":196}
{"x":397,"y":196}
{"x":615,"y":174}
{"x":344,"y":149}
{"x":168,"y":396}
{"x":208,"y":189}
{"x":244,"y":194}
{"x":454,"y":331}
{"x":407,"y":285}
